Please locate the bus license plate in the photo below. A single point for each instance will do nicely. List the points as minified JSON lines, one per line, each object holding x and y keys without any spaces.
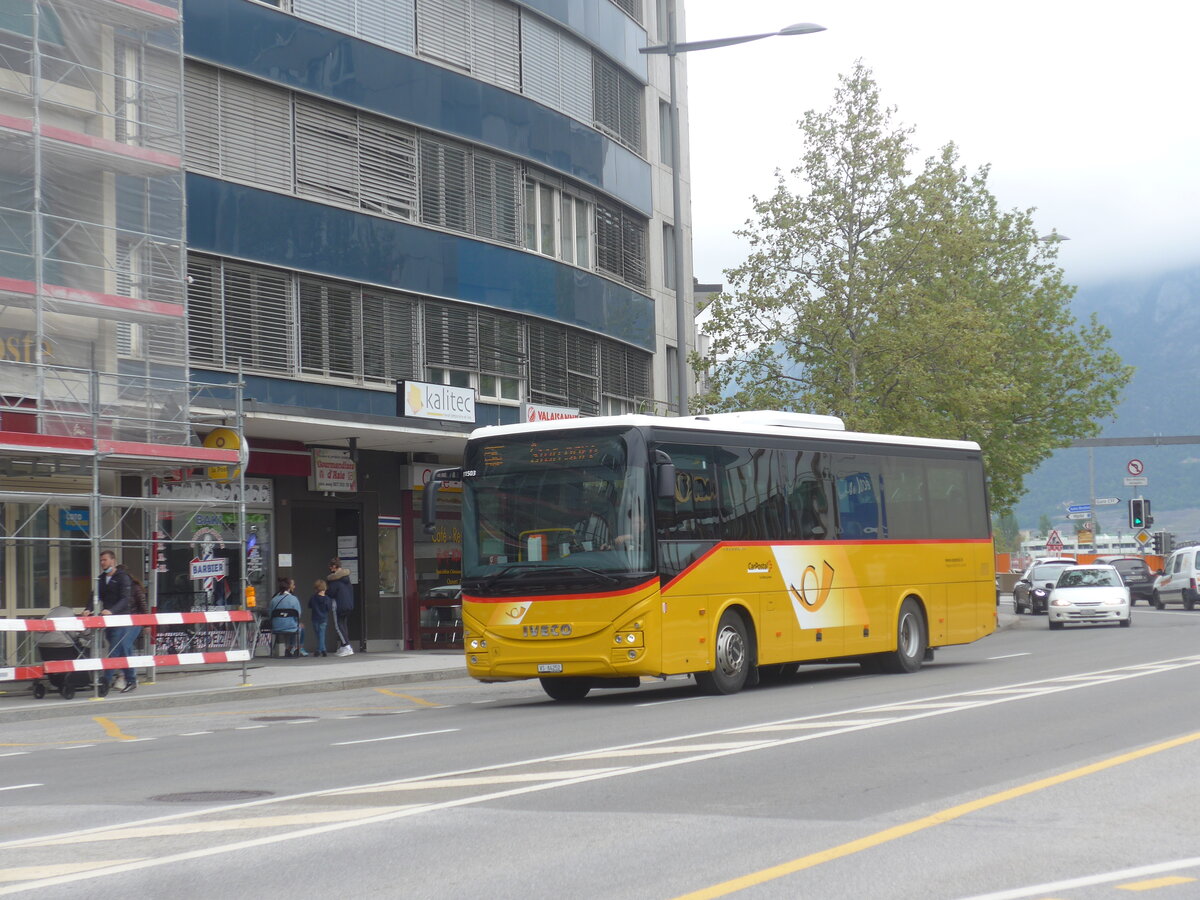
{"x":549,"y":668}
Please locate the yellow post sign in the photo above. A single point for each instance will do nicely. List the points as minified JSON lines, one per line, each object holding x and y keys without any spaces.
{"x":223,"y":439}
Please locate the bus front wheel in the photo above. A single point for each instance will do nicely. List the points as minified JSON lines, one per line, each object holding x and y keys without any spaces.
{"x":733,"y":658}
{"x":566,"y":688}
{"x":911,"y":640}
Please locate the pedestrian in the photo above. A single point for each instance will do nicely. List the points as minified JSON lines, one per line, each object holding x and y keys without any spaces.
{"x":318,"y":608}
{"x":284,"y":613}
{"x":115,"y":589}
{"x":341,"y":604}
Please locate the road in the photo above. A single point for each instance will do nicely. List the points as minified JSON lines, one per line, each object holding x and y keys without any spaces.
{"x":1030,"y":764}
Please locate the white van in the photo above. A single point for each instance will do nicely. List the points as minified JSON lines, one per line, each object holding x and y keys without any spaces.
{"x":1180,"y":580}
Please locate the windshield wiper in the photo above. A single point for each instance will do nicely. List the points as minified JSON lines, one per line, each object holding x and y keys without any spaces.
{"x":488,"y":580}
{"x":543,"y":568}
{"x":605,"y":576}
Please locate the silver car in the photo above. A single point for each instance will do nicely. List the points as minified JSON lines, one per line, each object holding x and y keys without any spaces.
{"x":1089,"y":595}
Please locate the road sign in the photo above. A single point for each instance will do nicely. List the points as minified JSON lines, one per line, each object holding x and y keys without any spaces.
{"x":1079,"y":515}
{"x":1135,"y":467}
{"x":1079,"y":507}
{"x":1107,"y":501}
{"x":1143,"y":537}
{"x":1139,"y":481}
{"x":1054,"y":543}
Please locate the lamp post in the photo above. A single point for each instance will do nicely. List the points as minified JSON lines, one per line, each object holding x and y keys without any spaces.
{"x":682,"y":285}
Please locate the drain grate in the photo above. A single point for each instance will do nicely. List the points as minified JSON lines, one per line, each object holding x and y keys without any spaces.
{"x":210,"y":796}
{"x":280,"y":718}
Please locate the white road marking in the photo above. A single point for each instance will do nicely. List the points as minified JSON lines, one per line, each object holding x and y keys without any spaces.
{"x":1010,"y":656}
{"x":426,"y":784}
{"x":76,"y":747}
{"x":15,"y":753}
{"x":17,"y":787}
{"x":248,"y":727}
{"x":676,"y":700}
{"x":1054,"y":887}
{"x":24,"y":873}
{"x":394,"y":737}
{"x":194,"y":733}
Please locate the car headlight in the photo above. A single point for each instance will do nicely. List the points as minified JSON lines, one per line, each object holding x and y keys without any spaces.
{"x":1114,"y":601}
{"x":1039,"y":592}
{"x":1060,"y":602}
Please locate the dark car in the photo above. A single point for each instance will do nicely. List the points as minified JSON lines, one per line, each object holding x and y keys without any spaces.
{"x":1032,"y":592}
{"x":1135,"y":574}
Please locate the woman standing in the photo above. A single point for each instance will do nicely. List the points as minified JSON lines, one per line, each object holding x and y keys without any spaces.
{"x":284,"y":613}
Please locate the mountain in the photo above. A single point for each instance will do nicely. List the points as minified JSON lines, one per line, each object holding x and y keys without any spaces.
{"x":1155,"y":322}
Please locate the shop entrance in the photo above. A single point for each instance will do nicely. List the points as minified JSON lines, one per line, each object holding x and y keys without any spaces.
{"x":320,"y":533}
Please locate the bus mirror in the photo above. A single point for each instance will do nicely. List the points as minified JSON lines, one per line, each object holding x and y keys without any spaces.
{"x":665,"y":488}
{"x":429,"y":499}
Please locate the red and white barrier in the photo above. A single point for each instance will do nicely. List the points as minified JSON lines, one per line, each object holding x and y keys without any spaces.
{"x":21,"y":673}
{"x":138,"y":662}
{"x":83,"y":623}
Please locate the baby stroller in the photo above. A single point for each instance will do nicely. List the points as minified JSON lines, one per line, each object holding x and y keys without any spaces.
{"x":58,"y":645}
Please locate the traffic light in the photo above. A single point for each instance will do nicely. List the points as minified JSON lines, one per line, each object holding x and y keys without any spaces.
{"x":1138,"y":507}
{"x":1159,"y":545}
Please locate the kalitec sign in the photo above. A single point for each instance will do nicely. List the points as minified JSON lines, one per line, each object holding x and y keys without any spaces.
{"x":435,"y":401}
{"x":537,"y":412}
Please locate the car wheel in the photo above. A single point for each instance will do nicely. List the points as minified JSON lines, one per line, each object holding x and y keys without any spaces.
{"x":1016,"y":606}
{"x":733,"y":658}
{"x":1189,"y":602}
{"x":1127,"y":621}
{"x":39,"y":690}
{"x":911,"y":640}
{"x":566,"y":689}
{"x":1054,"y":626}
{"x":1157,"y":601}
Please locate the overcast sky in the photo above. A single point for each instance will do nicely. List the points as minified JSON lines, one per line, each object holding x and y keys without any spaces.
{"x":1085,"y":110}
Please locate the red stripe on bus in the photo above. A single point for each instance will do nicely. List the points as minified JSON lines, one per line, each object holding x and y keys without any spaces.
{"x":536,"y":598}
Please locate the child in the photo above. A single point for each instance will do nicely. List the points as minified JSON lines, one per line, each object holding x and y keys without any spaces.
{"x":318,"y":605}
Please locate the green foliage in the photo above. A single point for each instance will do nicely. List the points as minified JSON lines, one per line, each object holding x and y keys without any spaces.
{"x":1006,"y":533}
{"x":906,"y":303}
{"x":1044,"y":526}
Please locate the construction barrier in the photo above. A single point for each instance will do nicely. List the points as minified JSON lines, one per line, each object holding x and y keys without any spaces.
{"x":100,"y":663}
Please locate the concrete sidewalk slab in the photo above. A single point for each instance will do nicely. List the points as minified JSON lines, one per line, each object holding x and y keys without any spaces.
{"x":265,"y":677}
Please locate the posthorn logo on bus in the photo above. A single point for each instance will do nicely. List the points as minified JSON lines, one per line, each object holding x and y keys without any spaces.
{"x":545,"y":630}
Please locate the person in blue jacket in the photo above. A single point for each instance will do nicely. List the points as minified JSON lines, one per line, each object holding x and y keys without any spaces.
{"x":318,"y":608}
{"x":284,"y":613}
{"x":341,"y":604}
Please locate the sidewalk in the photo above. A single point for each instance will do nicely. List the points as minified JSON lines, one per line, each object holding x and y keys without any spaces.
{"x":266,"y":677}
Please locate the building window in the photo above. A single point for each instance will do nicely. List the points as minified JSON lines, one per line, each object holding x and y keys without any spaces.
{"x":665,"y":154}
{"x":499,"y":389}
{"x":558,"y":223}
{"x":617,"y":102}
{"x":452,"y":377}
{"x":668,"y":248}
{"x":673,"y":378}
{"x":632,"y":8}
{"x":621,"y":245}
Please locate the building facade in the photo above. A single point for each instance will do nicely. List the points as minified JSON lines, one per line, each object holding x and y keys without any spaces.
{"x":389,"y":221}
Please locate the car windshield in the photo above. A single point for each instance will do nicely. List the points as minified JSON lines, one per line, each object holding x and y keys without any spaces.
{"x":1131,"y":568}
{"x":1089,"y":578}
{"x":1042,"y":574}
{"x":566,"y":506}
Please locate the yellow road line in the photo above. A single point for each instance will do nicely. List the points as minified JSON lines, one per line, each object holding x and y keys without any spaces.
{"x":112,"y":729}
{"x":409,"y":697}
{"x":939,"y":818}
{"x":1154,"y":883}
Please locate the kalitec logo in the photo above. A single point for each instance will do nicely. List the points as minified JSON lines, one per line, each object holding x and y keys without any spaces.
{"x":546,"y":631}
{"x":812,"y":593}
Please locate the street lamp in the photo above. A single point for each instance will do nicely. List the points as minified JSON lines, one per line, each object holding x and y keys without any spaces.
{"x":682,"y":285}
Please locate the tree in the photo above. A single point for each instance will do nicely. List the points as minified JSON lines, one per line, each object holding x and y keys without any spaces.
{"x":1006,"y":533}
{"x":906,"y":303}
{"x":1044,"y":526}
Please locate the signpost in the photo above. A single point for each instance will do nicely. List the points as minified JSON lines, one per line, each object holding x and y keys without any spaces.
{"x":1079,"y":508}
{"x":1079,"y":515}
{"x":1107,"y":501}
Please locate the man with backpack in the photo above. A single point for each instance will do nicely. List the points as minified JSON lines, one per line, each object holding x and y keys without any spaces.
{"x":115,"y":588}
{"x":340,"y":592}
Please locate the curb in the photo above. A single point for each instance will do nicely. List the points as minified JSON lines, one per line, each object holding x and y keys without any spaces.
{"x":53,"y":707}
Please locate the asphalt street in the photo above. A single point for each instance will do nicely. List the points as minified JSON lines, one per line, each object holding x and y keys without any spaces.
{"x":1023,"y":761}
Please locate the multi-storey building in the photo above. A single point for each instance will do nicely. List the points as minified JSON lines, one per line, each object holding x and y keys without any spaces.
{"x":391,"y":221}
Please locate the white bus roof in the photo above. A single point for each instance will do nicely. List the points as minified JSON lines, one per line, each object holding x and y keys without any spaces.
{"x":760,"y":422}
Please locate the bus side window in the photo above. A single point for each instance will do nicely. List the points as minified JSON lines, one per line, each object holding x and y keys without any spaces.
{"x":858,"y":498}
{"x":751,"y":495}
{"x":694,"y":512}
{"x":906,"y":504}
{"x":806,"y":486}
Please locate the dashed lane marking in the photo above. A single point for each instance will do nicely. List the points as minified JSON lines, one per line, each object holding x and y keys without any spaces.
{"x":394,"y":737}
{"x":17,"y":787}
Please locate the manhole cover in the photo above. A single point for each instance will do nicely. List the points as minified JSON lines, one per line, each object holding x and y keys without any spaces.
{"x":280,"y":718}
{"x":210,"y":796}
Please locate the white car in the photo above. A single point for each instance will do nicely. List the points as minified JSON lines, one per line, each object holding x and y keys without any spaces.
{"x":1089,"y":595}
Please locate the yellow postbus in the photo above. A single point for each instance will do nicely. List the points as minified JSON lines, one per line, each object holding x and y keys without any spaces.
{"x":731,"y":547}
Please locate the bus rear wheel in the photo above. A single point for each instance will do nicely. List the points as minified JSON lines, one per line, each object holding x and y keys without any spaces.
{"x":911,"y":640}
{"x":733,"y":658}
{"x":567,"y":689}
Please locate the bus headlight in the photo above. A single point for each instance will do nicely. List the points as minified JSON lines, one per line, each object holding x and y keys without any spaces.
{"x":628,"y":638}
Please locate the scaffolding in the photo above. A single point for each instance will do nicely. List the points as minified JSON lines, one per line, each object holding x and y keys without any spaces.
{"x":96,"y":409}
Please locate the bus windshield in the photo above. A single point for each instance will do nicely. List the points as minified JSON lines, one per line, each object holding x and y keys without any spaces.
{"x":562,"y":506}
